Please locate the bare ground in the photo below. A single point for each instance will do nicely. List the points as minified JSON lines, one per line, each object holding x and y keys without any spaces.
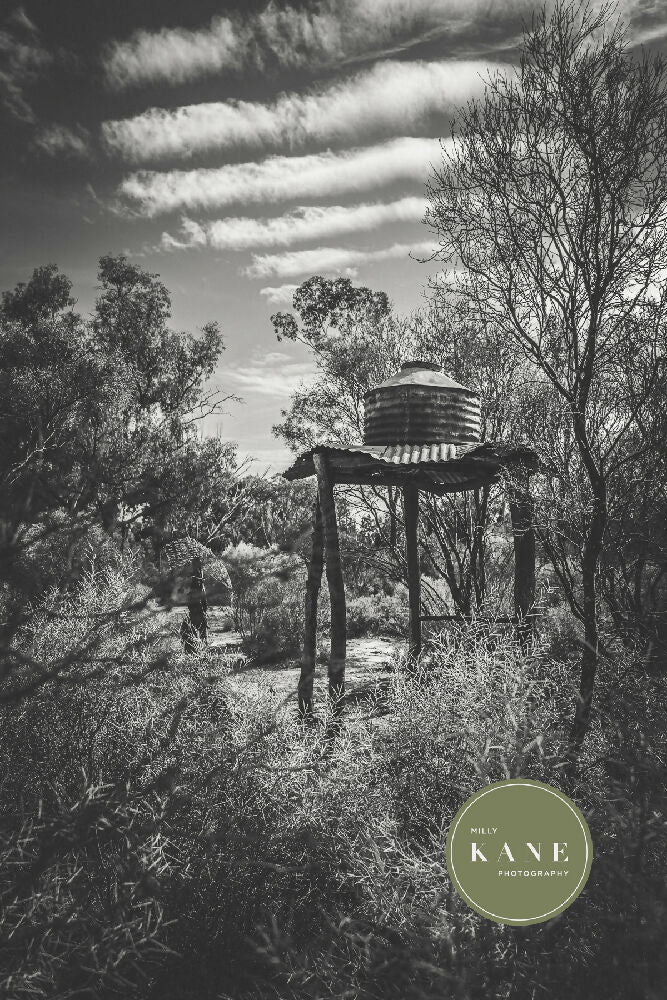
{"x":369,"y":662}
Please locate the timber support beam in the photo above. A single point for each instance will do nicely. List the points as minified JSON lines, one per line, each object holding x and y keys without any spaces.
{"x":310,"y":621}
{"x":411,"y":515}
{"x":335,"y":581}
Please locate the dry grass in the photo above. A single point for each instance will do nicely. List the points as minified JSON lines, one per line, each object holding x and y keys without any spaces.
{"x":175,"y":837}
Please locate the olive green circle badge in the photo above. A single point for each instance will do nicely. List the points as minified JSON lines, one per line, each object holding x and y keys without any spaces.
{"x":519,"y":852}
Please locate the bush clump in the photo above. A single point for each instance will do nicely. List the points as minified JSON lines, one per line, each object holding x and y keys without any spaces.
{"x":268,"y":608}
{"x":378,"y":615}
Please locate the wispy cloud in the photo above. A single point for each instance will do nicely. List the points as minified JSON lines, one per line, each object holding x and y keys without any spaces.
{"x":175,"y":55}
{"x":192,"y":235}
{"x":62,"y":141}
{"x":285,"y":37}
{"x":646,"y":35}
{"x":309,"y":223}
{"x":329,"y":259}
{"x":281,"y":178}
{"x":23,"y":58}
{"x":275,"y":374}
{"x":280,"y":295}
{"x":392,"y":98}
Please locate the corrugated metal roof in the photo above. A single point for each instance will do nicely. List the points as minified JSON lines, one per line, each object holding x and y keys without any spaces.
{"x":405,"y":454}
{"x":442,"y":463}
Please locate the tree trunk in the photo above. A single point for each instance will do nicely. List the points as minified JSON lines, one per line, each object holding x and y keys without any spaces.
{"x":590,"y":560}
{"x":335,"y":581}
{"x":310,"y":625}
{"x":411,"y":514}
{"x":589,"y":603}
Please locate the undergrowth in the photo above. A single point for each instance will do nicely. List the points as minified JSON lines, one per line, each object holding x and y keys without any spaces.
{"x":167,"y":835}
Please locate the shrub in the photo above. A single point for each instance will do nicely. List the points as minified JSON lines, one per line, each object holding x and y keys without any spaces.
{"x":163,"y":827}
{"x":378,"y":615}
{"x":268,"y":599}
{"x":392,"y":927}
{"x":561,"y":633}
{"x":59,"y":552}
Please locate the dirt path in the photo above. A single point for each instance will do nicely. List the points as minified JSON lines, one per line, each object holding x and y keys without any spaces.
{"x":369,"y":661}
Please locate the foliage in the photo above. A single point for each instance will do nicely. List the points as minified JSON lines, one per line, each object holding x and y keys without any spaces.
{"x":378,"y":614}
{"x":210,"y":847}
{"x":98,"y":442}
{"x":268,"y":588}
{"x":93,"y":407}
{"x":352,"y":335}
{"x":263,"y":511}
{"x":551,"y":202}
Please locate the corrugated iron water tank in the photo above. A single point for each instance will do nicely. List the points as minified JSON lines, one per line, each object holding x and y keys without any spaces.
{"x":421,"y":405}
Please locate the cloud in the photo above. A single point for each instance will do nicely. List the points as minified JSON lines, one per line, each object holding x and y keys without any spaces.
{"x":281,"y":178}
{"x":60,"y":140}
{"x":392,"y":98}
{"x":273,"y":375}
{"x":281,"y":295}
{"x":286,"y":38}
{"x":311,"y":223}
{"x":267,"y":460}
{"x":174,"y":55}
{"x":329,"y":259}
{"x":24,"y":58}
{"x":193,"y":235}
{"x":644,"y":36}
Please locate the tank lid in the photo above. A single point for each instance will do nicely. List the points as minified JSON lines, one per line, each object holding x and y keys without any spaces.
{"x":421,"y":373}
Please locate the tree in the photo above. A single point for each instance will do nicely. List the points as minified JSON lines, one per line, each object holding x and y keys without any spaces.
{"x":94,"y":410}
{"x":553,"y":201}
{"x":166,"y":369}
{"x":98,"y":426}
{"x":350,"y":332}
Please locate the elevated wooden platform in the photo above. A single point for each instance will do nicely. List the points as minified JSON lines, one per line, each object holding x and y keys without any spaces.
{"x":434,"y":468}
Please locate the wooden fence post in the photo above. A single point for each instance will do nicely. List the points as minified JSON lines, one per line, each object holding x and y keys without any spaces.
{"x":310,"y":624}
{"x":411,"y":515}
{"x":335,"y":580}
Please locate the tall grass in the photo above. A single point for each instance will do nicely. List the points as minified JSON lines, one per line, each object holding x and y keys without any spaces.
{"x":166,"y":835}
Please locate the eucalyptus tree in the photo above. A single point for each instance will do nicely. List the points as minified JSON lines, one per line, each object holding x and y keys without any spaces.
{"x":98,"y":428}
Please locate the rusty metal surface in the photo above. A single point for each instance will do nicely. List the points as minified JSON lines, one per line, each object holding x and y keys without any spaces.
{"x":456,"y":467}
{"x":405,"y":454}
{"x":420,"y":405}
{"x":421,"y":373}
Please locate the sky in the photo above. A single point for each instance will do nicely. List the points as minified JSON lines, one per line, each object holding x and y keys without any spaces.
{"x":236,"y":149}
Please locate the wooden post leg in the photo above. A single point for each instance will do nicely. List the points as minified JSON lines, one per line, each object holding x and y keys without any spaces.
{"x":335,"y":581}
{"x":310,"y":624}
{"x":411,"y":515}
{"x":522,"y":510}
